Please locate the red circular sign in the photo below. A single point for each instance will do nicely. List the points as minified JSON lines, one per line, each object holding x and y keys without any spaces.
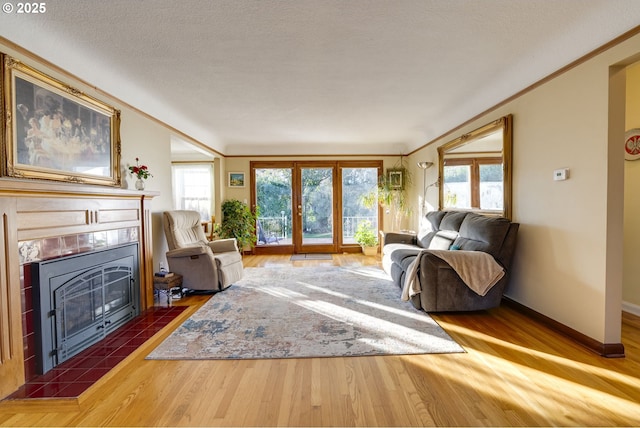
{"x":632,"y":144}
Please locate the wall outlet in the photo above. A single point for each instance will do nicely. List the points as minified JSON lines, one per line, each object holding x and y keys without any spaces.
{"x":561,"y":174}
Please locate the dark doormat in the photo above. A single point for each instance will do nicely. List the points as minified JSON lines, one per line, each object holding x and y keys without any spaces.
{"x":318,"y":256}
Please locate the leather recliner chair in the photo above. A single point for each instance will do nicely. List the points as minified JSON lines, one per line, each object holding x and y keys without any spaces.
{"x":203,"y":265}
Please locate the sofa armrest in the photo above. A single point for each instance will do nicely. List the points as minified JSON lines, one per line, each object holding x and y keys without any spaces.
{"x":188,"y":251}
{"x":400,"y":238}
{"x":444,"y":290}
{"x":224,"y":245}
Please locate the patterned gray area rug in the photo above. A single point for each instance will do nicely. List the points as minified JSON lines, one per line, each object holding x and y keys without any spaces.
{"x":306,"y":312}
{"x":310,"y":256}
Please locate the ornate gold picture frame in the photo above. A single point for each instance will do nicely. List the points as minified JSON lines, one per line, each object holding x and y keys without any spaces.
{"x":53,"y":131}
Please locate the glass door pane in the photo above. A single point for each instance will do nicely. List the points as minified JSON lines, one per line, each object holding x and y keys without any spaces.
{"x":358,"y":183}
{"x":316,"y":205}
{"x":273,"y":198}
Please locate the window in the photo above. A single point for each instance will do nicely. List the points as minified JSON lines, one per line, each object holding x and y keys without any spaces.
{"x":192,"y":188}
{"x":473,"y":183}
{"x":491,"y":186}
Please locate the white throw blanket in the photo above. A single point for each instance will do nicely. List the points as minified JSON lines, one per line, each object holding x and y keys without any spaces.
{"x":478,"y":270}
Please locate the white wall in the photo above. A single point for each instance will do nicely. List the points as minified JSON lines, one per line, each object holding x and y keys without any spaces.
{"x":565,"y":265}
{"x":151,"y":142}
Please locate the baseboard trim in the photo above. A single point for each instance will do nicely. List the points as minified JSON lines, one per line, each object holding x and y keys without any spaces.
{"x":609,"y":350}
{"x":631,"y":308}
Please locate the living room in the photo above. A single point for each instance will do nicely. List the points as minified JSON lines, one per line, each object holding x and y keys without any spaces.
{"x":574,"y":263}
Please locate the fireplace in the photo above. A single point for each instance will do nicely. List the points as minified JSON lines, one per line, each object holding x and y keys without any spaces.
{"x":78,"y":300}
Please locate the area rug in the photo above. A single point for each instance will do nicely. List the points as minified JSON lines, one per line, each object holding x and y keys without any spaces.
{"x":310,"y":256}
{"x":297,"y":312}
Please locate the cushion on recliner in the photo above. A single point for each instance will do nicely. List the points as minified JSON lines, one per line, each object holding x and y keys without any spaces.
{"x":399,"y":252}
{"x":443,"y":240}
{"x":441,"y":220}
{"x":452,"y":220}
{"x":183,"y":228}
{"x":227,"y":259}
{"x":482,"y":233}
{"x":424,"y":239}
{"x":435,"y":217}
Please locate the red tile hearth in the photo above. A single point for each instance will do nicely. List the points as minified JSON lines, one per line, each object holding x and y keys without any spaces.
{"x":76,"y":375}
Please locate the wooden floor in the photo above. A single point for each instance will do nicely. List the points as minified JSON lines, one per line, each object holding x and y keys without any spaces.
{"x":514,"y":373}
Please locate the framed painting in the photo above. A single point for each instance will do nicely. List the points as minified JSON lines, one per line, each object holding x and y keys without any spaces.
{"x":395,"y":178}
{"x":236,"y":179}
{"x":53,"y":131}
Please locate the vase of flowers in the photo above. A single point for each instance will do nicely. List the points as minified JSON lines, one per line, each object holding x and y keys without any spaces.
{"x":141,"y":172}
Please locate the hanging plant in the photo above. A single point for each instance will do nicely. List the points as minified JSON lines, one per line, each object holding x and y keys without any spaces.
{"x":391,"y":192}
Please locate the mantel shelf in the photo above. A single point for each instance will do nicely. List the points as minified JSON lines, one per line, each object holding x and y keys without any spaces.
{"x":33,"y":187}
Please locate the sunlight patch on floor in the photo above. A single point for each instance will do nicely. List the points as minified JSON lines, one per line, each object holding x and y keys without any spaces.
{"x":410,"y":336}
{"x":523,"y":376}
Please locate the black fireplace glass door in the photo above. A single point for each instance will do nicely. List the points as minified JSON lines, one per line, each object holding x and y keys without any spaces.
{"x":78,"y":307}
{"x":118,"y":295}
{"x":81,"y":298}
{"x":90,"y":305}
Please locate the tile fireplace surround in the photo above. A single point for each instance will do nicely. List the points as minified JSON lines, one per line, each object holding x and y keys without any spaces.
{"x":44,"y":220}
{"x":76,"y":375}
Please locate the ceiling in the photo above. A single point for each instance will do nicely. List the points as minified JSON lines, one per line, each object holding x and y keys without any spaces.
{"x":316,"y":76}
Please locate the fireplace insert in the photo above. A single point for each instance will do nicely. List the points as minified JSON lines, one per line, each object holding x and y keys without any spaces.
{"x":80,"y":299}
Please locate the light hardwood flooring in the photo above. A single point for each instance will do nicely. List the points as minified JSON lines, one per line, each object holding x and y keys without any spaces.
{"x":515,"y":372}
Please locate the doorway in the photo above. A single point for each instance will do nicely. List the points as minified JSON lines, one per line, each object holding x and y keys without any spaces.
{"x":312,"y":206}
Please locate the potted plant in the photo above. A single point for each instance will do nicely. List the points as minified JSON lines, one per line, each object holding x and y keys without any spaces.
{"x":366,"y":236}
{"x":238,"y":221}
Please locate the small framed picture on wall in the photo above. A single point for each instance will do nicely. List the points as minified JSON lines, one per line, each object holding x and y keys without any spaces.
{"x":236,"y":179}
{"x":395,"y":178}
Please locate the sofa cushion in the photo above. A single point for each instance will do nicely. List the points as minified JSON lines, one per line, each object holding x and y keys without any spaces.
{"x":435,"y":217}
{"x":441,"y":220}
{"x":482,"y":233}
{"x":399,"y":252}
{"x":452,"y":220}
{"x":443,"y":240}
{"x":424,"y":239}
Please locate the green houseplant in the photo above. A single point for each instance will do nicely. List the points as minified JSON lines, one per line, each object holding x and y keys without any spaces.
{"x":366,"y":236}
{"x":391,"y":193}
{"x":238,"y":221}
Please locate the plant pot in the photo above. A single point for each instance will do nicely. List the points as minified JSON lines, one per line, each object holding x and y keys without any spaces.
{"x":370,"y":251}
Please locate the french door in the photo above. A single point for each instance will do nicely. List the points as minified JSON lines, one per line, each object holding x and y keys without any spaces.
{"x":312,"y":206}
